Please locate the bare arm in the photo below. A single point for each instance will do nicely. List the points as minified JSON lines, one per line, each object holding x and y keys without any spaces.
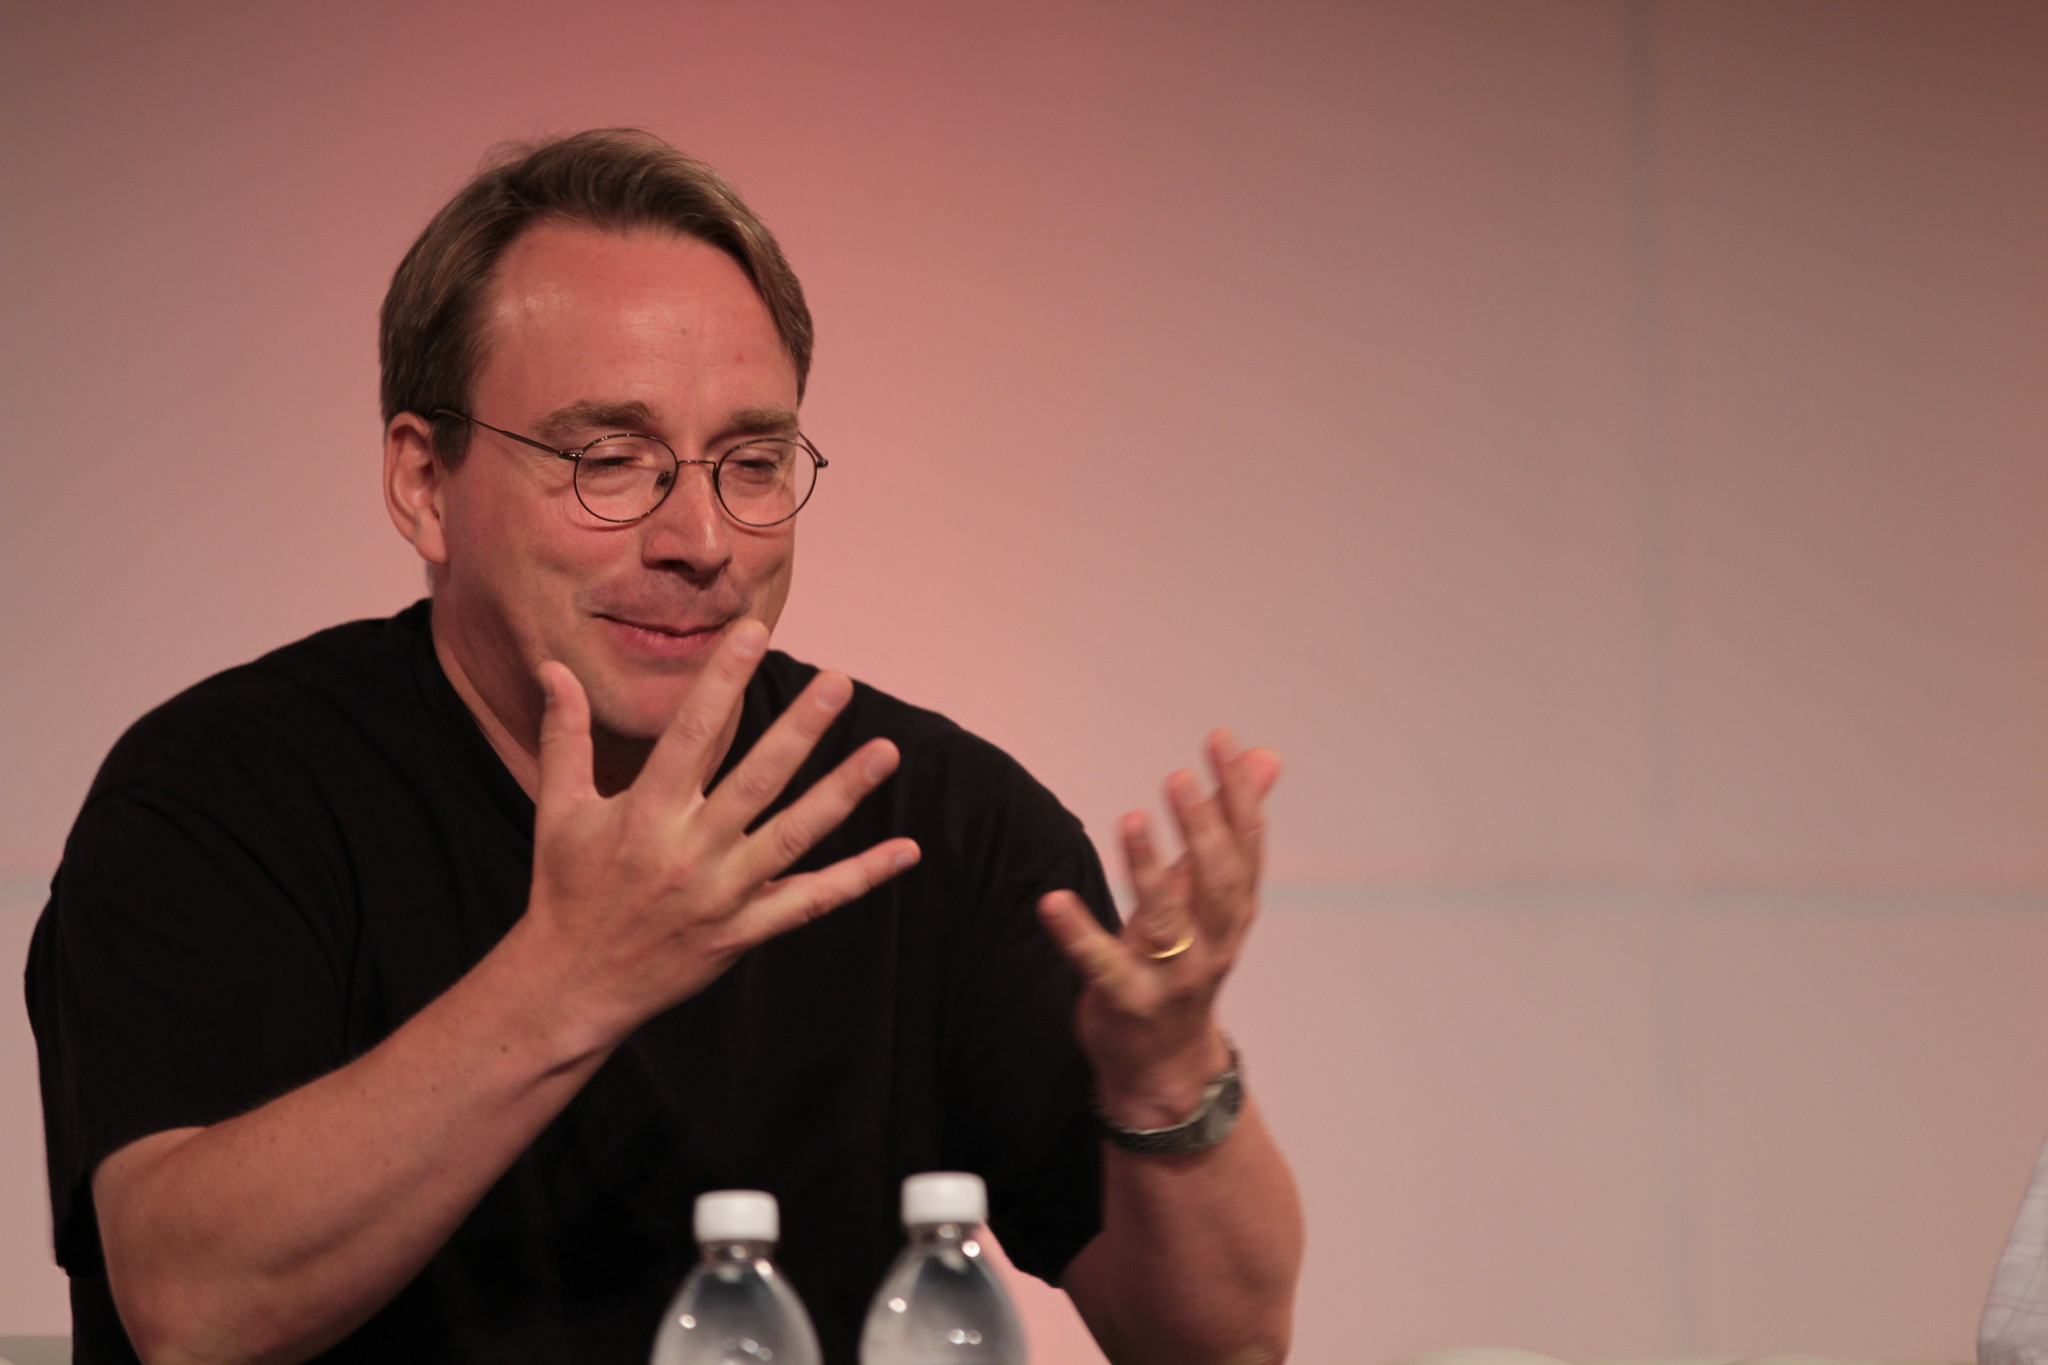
{"x":270,"y":1236}
{"x":1198,"y":1255}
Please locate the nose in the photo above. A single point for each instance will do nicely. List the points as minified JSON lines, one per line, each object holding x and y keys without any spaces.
{"x":689,"y":532}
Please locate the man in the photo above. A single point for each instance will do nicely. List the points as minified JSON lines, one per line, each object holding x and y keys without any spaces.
{"x":398,"y":991}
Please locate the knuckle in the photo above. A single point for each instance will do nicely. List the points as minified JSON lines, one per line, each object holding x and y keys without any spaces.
{"x":818,"y":899}
{"x":696,"y":725}
{"x":753,"y":785}
{"x":1103,"y":960}
{"x":788,"y":840}
{"x":805,"y":899}
{"x":726,"y":940}
{"x":863,"y":877}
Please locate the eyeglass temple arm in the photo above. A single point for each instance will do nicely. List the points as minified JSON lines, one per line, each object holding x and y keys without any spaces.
{"x":569,"y":455}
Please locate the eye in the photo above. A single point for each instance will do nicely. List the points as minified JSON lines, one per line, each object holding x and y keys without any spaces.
{"x":621,"y":477}
{"x":624,"y":450}
{"x":757,"y":464}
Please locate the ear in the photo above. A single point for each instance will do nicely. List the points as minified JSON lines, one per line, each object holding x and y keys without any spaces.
{"x":413,"y":486}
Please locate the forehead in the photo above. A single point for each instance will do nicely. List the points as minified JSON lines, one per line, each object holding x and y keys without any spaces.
{"x":579,"y":314}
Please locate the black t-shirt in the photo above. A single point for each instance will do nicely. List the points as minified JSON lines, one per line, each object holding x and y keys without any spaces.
{"x":277,"y":868}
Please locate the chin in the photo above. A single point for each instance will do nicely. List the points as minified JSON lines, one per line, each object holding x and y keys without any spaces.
{"x":638,"y":720}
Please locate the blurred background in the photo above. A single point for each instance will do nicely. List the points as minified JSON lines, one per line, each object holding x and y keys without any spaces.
{"x":1601,"y":444}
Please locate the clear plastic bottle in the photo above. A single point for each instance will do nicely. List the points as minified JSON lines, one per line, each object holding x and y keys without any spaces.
{"x":941,"y":1303}
{"x":734,"y":1307}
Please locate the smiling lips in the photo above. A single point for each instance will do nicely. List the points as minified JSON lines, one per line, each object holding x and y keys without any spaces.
{"x":664,"y":640}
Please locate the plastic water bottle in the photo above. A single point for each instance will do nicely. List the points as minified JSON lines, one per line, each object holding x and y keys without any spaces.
{"x":734,"y":1307}
{"x":942,"y":1302}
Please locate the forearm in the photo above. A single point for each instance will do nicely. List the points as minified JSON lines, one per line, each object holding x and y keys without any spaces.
{"x":270,"y":1236}
{"x":1198,"y":1255}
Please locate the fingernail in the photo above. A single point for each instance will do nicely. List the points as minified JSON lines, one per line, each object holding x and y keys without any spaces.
{"x":749,"y":639}
{"x":878,"y":765}
{"x":905,"y":860}
{"x":831,"y":691}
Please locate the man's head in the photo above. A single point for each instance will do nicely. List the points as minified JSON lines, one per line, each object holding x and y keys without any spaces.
{"x":430,"y":338}
{"x":602,"y":284}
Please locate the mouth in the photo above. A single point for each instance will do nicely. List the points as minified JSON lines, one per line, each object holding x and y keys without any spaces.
{"x":664,"y":639}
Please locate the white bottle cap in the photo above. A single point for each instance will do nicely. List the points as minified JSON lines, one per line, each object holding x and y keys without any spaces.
{"x":736,"y":1216}
{"x":944,"y":1197}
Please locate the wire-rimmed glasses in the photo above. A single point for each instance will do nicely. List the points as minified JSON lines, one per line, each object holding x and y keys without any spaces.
{"x":625,"y":476}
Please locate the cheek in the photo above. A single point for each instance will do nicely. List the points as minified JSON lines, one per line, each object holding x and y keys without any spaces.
{"x":505,"y":542}
{"x":769,"y":563}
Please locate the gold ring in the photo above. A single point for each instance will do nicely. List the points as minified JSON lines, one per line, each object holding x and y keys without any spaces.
{"x":1187,"y":941}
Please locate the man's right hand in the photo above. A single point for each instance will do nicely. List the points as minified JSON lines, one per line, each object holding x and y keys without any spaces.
{"x":645,"y":897}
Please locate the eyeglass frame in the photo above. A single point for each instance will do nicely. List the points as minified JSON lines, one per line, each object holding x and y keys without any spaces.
{"x":575,"y":458}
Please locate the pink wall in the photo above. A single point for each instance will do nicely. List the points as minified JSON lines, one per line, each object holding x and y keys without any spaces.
{"x":1601,"y":444}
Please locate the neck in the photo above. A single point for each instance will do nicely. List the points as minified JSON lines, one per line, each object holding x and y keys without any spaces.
{"x":517,"y":745}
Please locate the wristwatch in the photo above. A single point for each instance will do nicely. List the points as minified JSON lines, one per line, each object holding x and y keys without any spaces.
{"x":1211,"y":1122}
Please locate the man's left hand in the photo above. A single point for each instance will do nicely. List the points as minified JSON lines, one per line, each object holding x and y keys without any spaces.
{"x":1146,"y":1017}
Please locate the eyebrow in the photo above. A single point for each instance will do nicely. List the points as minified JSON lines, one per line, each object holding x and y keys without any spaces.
{"x":592,"y":414}
{"x":761,"y":422}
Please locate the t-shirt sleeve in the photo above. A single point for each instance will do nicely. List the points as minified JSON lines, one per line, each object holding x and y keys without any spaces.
{"x":173,"y":982}
{"x":1024,"y":1116}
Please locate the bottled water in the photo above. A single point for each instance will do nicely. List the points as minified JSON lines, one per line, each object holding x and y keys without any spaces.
{"x":942,"y":1303}
{"x":734,"y":1307}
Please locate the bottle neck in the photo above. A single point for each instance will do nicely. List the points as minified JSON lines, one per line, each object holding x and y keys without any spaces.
{"x":943,"y":1234}
{"x":719,"y":1251}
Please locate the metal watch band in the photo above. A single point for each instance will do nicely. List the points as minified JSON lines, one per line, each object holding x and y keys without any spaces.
{"x":1211,"y":1122}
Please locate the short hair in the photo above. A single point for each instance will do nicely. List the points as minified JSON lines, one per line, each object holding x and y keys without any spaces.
{"x":430,"y":334}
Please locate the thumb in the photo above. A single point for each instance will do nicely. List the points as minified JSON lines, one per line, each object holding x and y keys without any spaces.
{"x":565,"y":757}
{"x":1094,"y":952}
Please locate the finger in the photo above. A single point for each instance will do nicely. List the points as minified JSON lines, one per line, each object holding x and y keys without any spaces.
{"x":1103,"y":961}
{"x":794,"y":830}
{"x":1160,"y":917}
{"x":1242,"y":781}
{"x":687,"y":751}
{"x":1217,"y":864}
{"x":1264,"y":766}
{"x":565,"y":763}
{"x":783,"y":905}
{"x":759,"y":777}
